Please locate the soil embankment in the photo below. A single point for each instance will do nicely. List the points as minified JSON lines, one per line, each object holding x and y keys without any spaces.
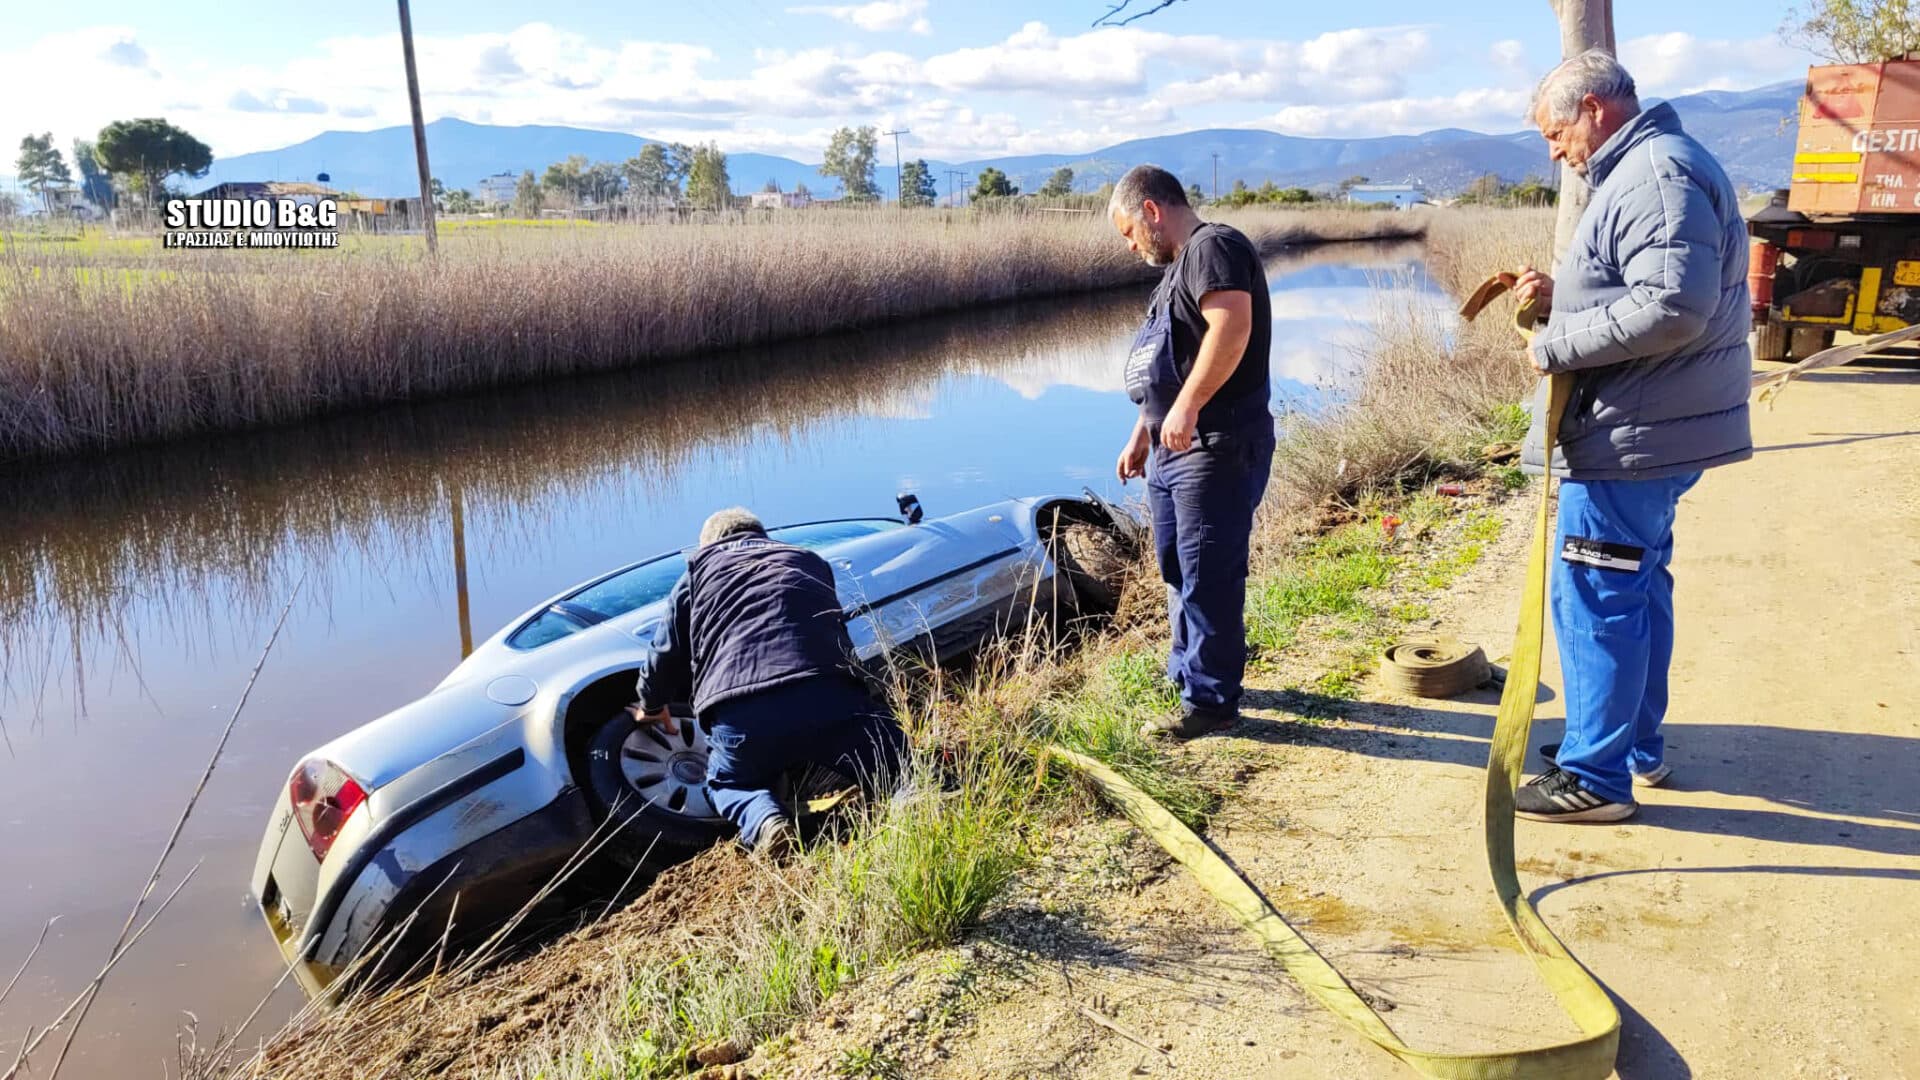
{"x":1755,"y":919}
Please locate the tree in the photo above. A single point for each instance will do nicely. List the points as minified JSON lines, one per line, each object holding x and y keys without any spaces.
{"x":8,"y":206}
{"x":566,"y":179}
{"x":601,"y":182}
{"x":1059,"y":184}
{"x":916,"y":184}
{"x":40,"y":166}
{"x":849,"y":159}
{"x":1351,"y":182}
{"x":528,"y":200}
{"x":993,"y":183}
{"x":707,"y":185}
{"x":771,"y":187}
{"x":801,"y":189}
{"x":1855,"y":31}
{"x":460,"y":201}
{"x":147,"y":151}
{"x":1195,"y":196}
{"x":95,"y":184}
{"x":651,"y":175}
{"x":1485,"y":189}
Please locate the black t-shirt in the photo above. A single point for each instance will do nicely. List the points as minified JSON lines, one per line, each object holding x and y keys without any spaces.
{"x":1220,"y":257}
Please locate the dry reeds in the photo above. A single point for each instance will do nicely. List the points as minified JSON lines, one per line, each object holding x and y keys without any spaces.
{"x":1433,"y":385}
{"x":168,"y":344}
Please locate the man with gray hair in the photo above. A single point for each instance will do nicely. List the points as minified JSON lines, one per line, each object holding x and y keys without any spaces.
{"x":756,"y":641}
{"x":1198,"y":371}
{"x":1649,"y":317}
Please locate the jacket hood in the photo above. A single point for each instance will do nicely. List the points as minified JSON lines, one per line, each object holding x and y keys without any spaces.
{"x":1659,"y":120}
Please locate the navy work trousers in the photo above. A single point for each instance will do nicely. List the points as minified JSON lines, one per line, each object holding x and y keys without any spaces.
{"x":1202,"y":501}
{"x":1613,"y":620}
{"x":826,"y":720}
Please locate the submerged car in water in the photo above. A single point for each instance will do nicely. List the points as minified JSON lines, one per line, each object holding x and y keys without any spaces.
{"x":465,"y":802}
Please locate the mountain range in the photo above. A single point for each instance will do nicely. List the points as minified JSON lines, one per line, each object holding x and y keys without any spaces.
{"x":1750,"y":131}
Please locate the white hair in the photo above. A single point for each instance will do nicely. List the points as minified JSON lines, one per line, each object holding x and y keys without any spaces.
{"x":724,"y":523}
{"x":1593,"y":72}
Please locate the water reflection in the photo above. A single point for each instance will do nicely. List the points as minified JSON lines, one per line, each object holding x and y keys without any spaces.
{"x":137,"y":589}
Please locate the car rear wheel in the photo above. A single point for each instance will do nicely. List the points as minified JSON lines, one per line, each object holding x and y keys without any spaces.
{"x":654,"y":787}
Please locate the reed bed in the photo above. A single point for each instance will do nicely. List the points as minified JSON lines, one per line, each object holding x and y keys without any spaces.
{"x":111,"y":349}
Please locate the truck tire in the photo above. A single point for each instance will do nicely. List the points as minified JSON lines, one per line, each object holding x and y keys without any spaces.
{"x":1770,"y":341}
{"x":1804,"y":341}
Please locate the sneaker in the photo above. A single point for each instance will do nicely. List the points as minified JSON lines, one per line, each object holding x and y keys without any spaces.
{"x":1646,"y":779}
{"x":1191,"y":723}
{"x":775,"y":840}
{"x":1559,"y":796}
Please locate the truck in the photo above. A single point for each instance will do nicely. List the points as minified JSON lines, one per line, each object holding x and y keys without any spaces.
{"x":1839,"y":250}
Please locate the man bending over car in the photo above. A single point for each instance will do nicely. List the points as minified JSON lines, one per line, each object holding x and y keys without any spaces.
{"x":757,"y":641}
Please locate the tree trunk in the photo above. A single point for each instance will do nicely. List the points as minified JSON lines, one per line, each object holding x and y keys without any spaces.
{"x":1584,"y":24}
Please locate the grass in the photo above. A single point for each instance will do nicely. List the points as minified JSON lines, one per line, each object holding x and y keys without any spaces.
{"x":204,"y":341}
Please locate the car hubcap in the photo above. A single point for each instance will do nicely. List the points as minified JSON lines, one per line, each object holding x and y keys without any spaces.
{"x":669,"y":771}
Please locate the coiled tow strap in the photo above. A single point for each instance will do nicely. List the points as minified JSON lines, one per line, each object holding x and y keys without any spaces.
{"x":1588,"y":1057}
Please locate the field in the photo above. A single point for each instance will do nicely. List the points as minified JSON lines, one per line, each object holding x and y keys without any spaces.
{"x":107,"y":340}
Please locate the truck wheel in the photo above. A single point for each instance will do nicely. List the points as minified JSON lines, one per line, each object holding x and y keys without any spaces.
{"x":1770,"y":340}
{"x":654,"y":786}
{"x":1807,"y":340}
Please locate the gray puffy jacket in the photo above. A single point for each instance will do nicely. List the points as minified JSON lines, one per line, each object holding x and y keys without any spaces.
{"x":1650,"y":312}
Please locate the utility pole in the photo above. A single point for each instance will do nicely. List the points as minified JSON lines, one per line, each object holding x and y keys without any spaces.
{"x":899,"y":178}
{"x":1216,"y":176}
{"x":953,"y":184}
{"x":1584,"y":24}
{"x":419,"y":129}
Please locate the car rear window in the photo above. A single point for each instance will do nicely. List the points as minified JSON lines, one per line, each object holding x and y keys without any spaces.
{"x":638,"y":586}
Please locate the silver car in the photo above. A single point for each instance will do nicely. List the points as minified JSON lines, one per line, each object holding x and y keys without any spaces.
{"x":483,"y":788}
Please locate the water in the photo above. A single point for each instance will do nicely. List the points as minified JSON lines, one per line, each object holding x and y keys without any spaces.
{"x":137,"y":591}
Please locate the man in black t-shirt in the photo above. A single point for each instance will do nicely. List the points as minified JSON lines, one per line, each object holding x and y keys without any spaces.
{"x":1198,"y":371}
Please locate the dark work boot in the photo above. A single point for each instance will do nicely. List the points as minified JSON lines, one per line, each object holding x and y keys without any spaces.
{"x":1191,"y":723}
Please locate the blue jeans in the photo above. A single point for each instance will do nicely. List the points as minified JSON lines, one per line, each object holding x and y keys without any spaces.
{"x":1202,"y":501}
{"x":827,"y":720}
{"x":1613,"y":618}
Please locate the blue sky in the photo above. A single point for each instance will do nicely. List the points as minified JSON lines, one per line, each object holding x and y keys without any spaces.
{"x":973,"y":79}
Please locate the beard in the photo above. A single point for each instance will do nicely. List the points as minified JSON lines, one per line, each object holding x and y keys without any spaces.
{"x":1156,"y":251}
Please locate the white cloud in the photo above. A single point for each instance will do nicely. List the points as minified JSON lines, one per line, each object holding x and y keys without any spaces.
{"x":879,"y":17}
{"x":1667,"y":65}
{"x":1494,"y":109}
{"x":1510,"y":56}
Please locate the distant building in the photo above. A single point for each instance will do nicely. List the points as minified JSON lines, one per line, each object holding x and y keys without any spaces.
{"x":498,"y":188}
{"x":261,"y":190}
{"x":781,"y":200}
{"x":1398,"y":196}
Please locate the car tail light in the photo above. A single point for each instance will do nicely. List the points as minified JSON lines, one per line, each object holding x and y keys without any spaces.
{"x":324,"y":797}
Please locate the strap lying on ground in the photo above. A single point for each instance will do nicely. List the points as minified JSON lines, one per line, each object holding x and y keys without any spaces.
{"x":1771,"y":383}
{"x":1583,"y":999}
{"x":1434,"y":667}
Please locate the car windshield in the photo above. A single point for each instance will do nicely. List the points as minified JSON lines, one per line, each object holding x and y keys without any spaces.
{"x":638,"y":586}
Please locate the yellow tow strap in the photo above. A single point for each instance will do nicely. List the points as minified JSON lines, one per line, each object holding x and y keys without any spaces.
{"x":1588,"y":1057}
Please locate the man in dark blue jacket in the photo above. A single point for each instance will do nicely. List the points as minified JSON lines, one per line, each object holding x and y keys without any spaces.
{"x":756,"y":640}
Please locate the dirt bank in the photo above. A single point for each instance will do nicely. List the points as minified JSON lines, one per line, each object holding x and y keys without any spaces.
{"x":1756,"y":918}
